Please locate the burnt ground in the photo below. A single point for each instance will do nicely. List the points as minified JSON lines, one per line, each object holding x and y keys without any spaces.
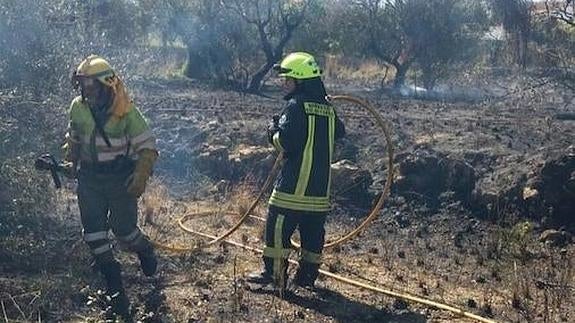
{"x":480,"y":216}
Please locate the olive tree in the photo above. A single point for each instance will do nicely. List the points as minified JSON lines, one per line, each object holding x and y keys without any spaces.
{"x":432,"y":35}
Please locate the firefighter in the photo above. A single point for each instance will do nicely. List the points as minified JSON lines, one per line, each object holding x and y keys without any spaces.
{"x":111,"y":151}
{"x":305,"y":132}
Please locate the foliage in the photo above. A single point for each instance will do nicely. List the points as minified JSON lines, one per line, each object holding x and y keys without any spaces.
{"x":235,"y":42}
{"x":432,"y":35}
{"x":554,"y":42}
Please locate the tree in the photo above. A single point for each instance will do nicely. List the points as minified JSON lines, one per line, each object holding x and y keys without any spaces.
{"x":274,"y":22}
{"x":554,"y":41}
{"x":209,"y":33}
{"x":381,"y":33}
{"x":443,"y":35}
{"x":515,"y":16}
{"x":235,"y":42}
{"x":566,"y":13}
{"x":433,"y":35}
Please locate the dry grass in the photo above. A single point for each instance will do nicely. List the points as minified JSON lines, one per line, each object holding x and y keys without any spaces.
{"x":364,"y":71}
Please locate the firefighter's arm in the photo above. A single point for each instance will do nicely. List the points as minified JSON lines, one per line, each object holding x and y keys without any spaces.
{"x":72,"y":144}
{"x":143,"y":143}
{"x":292,"y":130}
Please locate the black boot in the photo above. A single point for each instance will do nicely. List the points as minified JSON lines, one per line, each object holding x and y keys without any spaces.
{"x":118,"y":300}
{"x":260,"y":277}
{"x":148,"y":261}
{"x":307,"y":274}
{"x":120,"y":305}
{"x":264,"y":277}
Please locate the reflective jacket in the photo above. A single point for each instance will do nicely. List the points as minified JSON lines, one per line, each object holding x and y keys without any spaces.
{"x":128,"y":134}
{"x":308,"y":128}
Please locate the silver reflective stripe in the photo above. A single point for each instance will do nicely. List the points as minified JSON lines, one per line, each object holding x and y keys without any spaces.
{"x":110,"y":156}
{"x":146,"y":135}
{"x":95,"y":236}
{"x":133,"y":235}
{"x":102,"y":249}
{"x":149,"y":144}
{"x":101,"y":142}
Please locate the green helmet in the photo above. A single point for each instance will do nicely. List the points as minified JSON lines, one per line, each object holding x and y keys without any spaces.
{"x":298,"y":65}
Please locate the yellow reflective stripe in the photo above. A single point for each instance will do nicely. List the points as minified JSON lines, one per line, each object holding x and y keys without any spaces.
{"x":113,"y":149}
{"x":276,"y":142}
{"x":278,"y":263}
{"x":309,"y":256}
{"x":307,"y":159}
{"x":299,"y":207}
{"x":123,"y":141}
{"x":331,"y":134}
{"x":318,"y":109}
{"x":300,"y":199}
{"x":277,"y":253}
{"x":131,"y":236}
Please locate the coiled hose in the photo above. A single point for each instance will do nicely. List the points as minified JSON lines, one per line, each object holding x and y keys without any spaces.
{"x":381,"y":123}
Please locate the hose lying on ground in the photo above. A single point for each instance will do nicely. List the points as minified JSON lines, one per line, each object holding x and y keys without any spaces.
{"x":272,"y":174}
{"x":396,"y":294}
{"x":330,"y":244}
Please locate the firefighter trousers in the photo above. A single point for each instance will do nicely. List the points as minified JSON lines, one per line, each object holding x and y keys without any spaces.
{"x":280,"y":226}
{"x":105,"y":204}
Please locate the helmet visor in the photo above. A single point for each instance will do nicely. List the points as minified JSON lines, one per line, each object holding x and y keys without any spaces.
{"x":87,"y":82}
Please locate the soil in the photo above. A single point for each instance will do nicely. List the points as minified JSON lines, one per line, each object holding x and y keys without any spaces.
{"x":476,"y":186}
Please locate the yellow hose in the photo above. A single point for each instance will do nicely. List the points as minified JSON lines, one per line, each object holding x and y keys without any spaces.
{"x":269,"y":180}
{"x":402,"y":295}
{"x":372,"y":215}
{"x":386,"y":190}
{"x":182,"y":220}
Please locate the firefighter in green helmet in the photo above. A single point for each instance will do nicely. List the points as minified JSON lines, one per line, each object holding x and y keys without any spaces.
{"x":111,"y":151}
{"x":306,"y":133}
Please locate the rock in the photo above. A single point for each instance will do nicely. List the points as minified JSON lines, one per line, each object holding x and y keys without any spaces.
{"x":555,"y":237}
{"x":529,"y":193}
{"x":213,"y":161}
{"x":254,"y":161}
{"x":425,"y":174}
{"x":220,"y":187}
{"x":541,"y":187}
{"x":351,"y":183}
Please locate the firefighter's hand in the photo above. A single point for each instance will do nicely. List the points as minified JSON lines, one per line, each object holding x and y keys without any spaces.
{"x":68,"y":169}
{"x":136,"y":184}
{"x":273,"y":127}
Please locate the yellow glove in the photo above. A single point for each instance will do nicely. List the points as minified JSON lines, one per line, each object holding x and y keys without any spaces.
{"x":136,"y":183}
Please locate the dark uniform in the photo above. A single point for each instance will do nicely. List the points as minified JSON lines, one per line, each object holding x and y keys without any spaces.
{"x":306,"y":133}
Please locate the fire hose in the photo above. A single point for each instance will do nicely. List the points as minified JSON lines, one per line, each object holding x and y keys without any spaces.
{"x":380,"y":122}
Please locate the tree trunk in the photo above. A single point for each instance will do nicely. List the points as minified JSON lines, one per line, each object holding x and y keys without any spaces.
{"x":255,"y":82}
{"x":196,"y":66}
{"x":400,"y":72}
